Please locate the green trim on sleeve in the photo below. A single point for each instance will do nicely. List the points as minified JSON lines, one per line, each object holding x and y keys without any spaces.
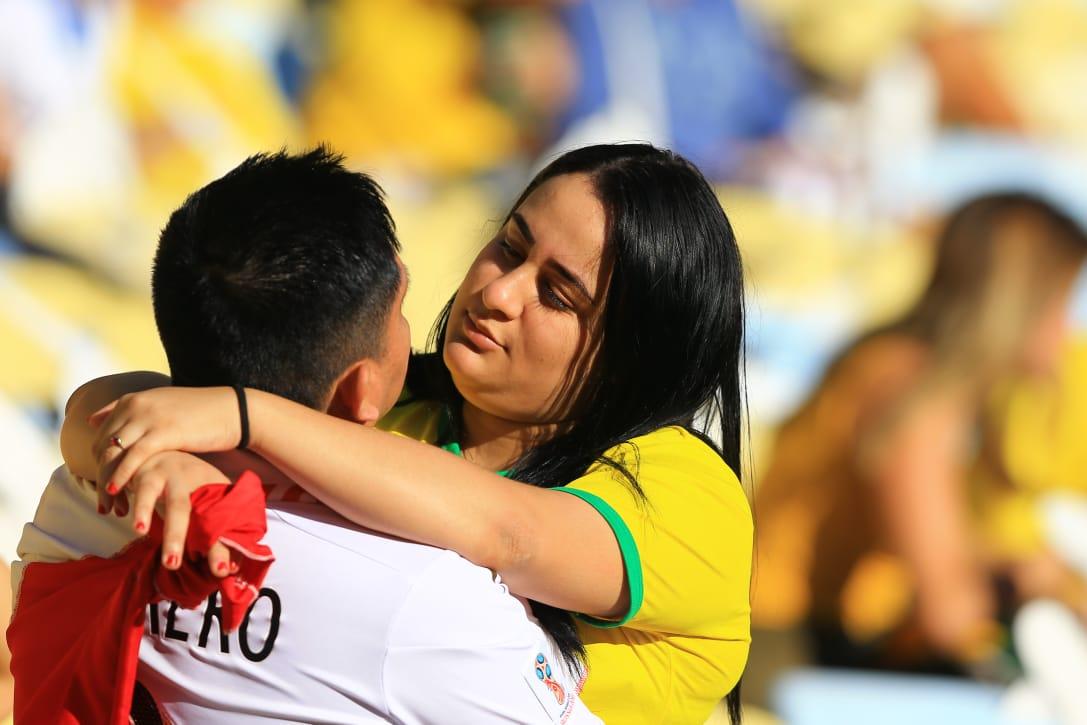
{"x":632,"y":562}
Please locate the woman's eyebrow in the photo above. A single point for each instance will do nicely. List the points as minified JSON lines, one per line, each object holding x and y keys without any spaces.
{"x":563,"y":272}
{"x":572,"y":278}
{"x":526,"y":231}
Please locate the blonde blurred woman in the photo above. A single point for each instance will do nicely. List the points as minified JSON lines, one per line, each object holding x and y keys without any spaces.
{"x":865,"y":510}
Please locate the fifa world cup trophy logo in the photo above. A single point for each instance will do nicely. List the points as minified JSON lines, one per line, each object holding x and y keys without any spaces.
{"x":543,"y":673}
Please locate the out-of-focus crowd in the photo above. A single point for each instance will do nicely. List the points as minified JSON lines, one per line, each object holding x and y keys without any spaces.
{"x":905,"y":179}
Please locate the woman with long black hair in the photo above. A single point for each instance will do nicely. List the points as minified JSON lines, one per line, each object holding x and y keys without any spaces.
{"x":595,"y":352}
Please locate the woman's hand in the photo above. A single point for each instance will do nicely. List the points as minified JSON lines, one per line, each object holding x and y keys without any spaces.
{"x":77,"y":434}
{"x":170,"y":477}
{"x":137,"y":426}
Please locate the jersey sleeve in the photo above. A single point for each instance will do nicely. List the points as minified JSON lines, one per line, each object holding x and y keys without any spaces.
{"x":66,"y":526}
{"x":686,"y":542}
{"x":463,"y":649}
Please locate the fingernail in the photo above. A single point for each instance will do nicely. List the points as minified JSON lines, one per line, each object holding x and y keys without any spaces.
{"x":172,"y":561}
{"x":220,"y":567}
{"x":140,"y":527}
{"x":111,"y":488}
{"x":119,"y":512}
{"x":233,"y":568}
{"x":101,"y":509}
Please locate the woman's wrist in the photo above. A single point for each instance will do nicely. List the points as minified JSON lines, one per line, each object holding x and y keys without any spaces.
{"x":257,"y":411}
{"x":243,"y":417}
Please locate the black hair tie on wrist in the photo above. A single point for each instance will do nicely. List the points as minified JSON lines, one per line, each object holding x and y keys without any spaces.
{"x":243,"y":414}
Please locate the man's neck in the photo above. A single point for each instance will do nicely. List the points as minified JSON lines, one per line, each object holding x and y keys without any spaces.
{"x":234,"y":463}
{"x":493,"y":442}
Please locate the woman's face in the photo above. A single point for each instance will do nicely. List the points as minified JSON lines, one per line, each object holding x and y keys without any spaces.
{"x":519,"y":339}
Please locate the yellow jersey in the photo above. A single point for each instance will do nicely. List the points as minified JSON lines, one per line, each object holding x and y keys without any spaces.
{"x":687,"y":549}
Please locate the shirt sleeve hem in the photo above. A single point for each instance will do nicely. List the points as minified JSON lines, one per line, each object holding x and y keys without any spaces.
{"x":628,"y":549}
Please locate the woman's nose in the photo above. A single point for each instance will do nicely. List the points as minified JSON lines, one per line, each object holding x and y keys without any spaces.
{"x":504,"y":294}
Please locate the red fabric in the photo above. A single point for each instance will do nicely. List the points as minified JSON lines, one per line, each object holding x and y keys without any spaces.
{"x":76,"y":631}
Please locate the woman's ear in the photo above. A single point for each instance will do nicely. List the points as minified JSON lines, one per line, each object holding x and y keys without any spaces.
{"x":357,"y":395}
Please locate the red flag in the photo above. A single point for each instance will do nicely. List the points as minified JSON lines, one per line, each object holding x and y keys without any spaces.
{"x":75,"y":634}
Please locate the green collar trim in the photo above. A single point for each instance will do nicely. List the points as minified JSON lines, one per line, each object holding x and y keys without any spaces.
{"x":453,"y":446}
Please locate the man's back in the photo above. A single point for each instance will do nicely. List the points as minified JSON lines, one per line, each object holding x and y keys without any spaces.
{"x":350,"y":626}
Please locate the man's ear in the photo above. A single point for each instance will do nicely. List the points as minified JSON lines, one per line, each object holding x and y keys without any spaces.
{"x":356,"y":395}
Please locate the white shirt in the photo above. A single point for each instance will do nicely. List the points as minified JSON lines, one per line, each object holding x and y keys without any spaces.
{"x":351,"y":627}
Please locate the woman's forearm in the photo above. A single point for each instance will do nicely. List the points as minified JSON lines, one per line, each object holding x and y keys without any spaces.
{"x":76,"y":434}
{"x":922,"y":500}
{"x":547,"y":545}
{"x":415,"y":491}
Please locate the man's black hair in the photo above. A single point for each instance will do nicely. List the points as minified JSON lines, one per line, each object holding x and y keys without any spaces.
{"x":277,"y":276}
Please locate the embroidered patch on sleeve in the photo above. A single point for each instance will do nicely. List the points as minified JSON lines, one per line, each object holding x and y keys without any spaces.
{"x":551,"y":686}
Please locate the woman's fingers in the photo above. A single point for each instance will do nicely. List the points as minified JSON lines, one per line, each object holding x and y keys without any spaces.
{"x":106,"y":466}
{"x":175,"y":526}
{"x":96,"y":418}
{"x":105,"y":501}
{"x":106,"y":447}
{"x":219,"y":559}
{"x":146,"y":491}
{"x":114,"y":441}
{"x":169,"y":478}
{"x":120,"y":470}
{"x":108,"y":421}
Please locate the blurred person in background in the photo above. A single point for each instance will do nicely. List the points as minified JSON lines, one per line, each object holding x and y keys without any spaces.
{"x":702,"y":76}
{"x":588,"y":335}
{"x":396,"y":87}
{"x":867,"y":540}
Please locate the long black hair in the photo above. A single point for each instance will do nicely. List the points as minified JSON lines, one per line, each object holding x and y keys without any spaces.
{"x":669,"y":346}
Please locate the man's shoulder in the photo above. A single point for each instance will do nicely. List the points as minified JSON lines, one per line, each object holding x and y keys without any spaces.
{"x":429,"y":583}
{"x":67,"y":526}
{"x":67,"y":512}
{"x":310,"y":538}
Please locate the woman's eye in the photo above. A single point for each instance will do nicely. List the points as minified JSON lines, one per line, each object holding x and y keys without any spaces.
{"x":507,"y":248}
{"x":553,"y":299}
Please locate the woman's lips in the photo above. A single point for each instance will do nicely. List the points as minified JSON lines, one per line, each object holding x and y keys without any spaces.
{"x":478,"y":336}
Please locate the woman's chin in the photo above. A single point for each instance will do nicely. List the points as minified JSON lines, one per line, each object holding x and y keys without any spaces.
{"x":465,"y":362}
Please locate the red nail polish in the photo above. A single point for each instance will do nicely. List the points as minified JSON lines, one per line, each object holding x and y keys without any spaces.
{"x":101,"y":509}
{"x":141,"y":527}
{"x":111,"y":489}
{"x":233,"y":568}
{"x":172,"y":561}
{"x":220,"y":567}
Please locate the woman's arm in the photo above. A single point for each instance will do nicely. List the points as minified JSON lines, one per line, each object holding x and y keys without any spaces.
{"x":921,"y":494}
{"x":546,"y":545}
{"x":170,"y":477}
